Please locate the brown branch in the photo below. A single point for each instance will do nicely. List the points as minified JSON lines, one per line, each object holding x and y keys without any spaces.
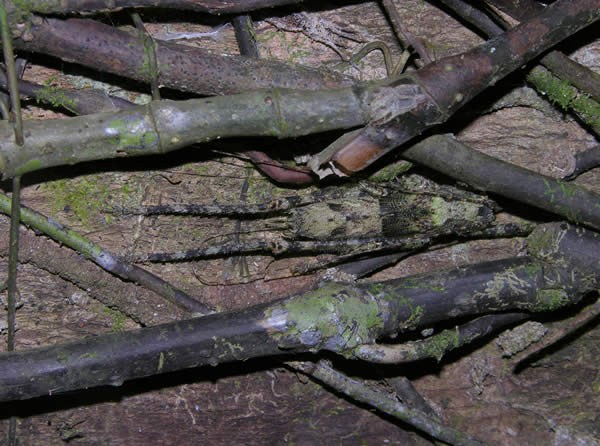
{"x":519,"y":9}
{"x":403,"y":34}
{"x":443,"y":87}
{"x":561,"y":65}
{"x":185,"y":68}
{"x":205,"y":6}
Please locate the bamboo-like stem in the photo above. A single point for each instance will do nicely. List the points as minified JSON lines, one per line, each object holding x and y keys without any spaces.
{"x":13,"y":253}
{"x":163,"y":126}
{"x":9,"y":60}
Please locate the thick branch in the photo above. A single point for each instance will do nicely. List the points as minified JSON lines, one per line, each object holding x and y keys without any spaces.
{"x":163,"y":126}
{"x":206,"y":6}
{"x":104,"y":48}
{"x":337,"y":317}
{"x":446,"y":85}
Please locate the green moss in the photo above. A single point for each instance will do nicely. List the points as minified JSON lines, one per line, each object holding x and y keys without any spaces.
{"x":118,"y":319}
{"x":550,"y":300}
{"x":333,"y":317}
{"x":41,"y":6}
{"x":565,"y":96}
{"x":298,"y":54}
{"x":84,"y":196}
{"x":558,"y":186}
{"x":259,"y":190}
{"x":161,"y":362}
{"x":439,"y":344}
{"x":540,"y":241}
{"x":390,"y":172}
{"x":54,"y":96}
{"x":131,"y":134}
{"x":596,"y":385}
{"x":29,"y":166}
{"x":401,"y":303}
{"x":533,"y":269}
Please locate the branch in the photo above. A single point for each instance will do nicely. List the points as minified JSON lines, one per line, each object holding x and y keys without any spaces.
{"x":163,"y":126}
{"x":443,"y":87}
{"x":337,"y":317}
{"x":566,"y":97}
{"x":561,"y":65}
{"x":438,"y":345}
{"x":397,"y":111}
{"x":96,"y":282}
{"x":206,"y":6}
{"x":485,"y":173}
{"x":185,"y":68}
{"x":359,"y":391}
{"x":105,"y":259}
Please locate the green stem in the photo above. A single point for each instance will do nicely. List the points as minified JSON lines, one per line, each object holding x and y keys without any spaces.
{"x":9,"y":60}
{"x":13,"y":253}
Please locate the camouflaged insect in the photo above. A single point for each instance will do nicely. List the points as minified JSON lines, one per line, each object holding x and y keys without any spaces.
{"x":406,"y":214}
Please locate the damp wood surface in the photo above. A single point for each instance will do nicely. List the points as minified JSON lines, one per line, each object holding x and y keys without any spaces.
{"x":553,"y":401}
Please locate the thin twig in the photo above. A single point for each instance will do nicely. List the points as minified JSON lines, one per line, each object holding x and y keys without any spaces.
{"x":13,"y":251}
{"x":149,"y":54}
{"x":405,"y":37}
{"x":566,"y":327}
{"x":439,"y":344}
{"x":105,"y":259}
{"x":244,"y":34}
{"x":358,"y":391}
